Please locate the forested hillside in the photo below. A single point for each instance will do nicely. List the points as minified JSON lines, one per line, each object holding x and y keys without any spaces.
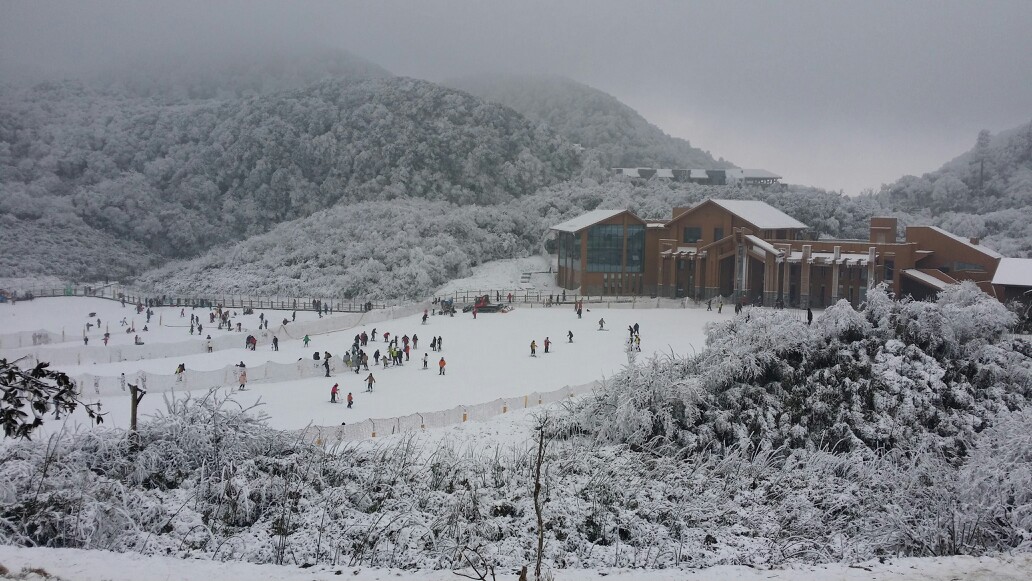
{"x":985,"y":192}
{"x":180,"y":178}
{"x":590,"y":118}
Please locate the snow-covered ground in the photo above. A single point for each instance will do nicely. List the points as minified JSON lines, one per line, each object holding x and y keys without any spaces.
{"x":487,"y":357}
{"x":80,"y":565}
{"x":506,"y":274}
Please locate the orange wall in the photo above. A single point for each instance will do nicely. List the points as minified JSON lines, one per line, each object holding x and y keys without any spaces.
{"x":948,"y":251}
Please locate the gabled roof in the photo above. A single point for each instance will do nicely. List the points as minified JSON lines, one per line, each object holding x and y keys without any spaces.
{"x":967,"y":242}
{"x":1014,"y":272}
{"x":581,"y":222}
{"x":759,"y":214}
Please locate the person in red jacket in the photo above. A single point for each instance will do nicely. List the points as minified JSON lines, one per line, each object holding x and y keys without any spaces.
{"x":333,"y":393}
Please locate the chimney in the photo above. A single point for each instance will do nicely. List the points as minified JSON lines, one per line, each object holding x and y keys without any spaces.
{"x":974,"y":240}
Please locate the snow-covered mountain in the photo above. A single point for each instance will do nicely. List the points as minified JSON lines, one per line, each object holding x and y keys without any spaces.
{"x":985,"y":192}
{"x":591,"y":118}
{"x":179,"y":178}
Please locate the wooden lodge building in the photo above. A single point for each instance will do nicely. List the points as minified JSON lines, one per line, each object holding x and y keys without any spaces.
{"x":749,"y":251}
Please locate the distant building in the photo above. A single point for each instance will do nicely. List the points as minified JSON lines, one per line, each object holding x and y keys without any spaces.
{"x":749,"y":251}
{"x":713,"y":177}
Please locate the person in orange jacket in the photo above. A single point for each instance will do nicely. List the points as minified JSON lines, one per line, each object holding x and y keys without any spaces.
{"x":441,"y":365}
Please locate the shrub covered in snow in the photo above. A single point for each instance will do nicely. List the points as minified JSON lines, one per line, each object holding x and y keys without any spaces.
{"x":862,"y":435}
{"x":891,"y":374}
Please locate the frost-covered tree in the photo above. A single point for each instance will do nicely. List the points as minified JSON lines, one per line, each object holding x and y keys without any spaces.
{"x":28,"y":395}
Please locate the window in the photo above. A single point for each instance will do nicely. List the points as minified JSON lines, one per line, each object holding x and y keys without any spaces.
{"x":635,"y":259}
{"x":890,"y":267}
{"x":605,"y":247}
{"x":569,"y":250}
{"x":692,"y":234}
{"x":967,"y":266}
{"x":718,"y":234}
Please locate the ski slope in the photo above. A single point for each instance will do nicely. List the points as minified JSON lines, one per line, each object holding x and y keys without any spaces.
{"x":488,"y":357}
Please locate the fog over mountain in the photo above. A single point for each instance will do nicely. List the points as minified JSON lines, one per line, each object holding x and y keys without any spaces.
{"x":847,"y":95}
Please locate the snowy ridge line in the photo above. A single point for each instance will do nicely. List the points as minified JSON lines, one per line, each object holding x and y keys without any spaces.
{"x":86,"y":354}
{"x":330,"y":436}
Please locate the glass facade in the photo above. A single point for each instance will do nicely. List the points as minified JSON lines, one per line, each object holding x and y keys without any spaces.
{"x":635,"y":260}
{"x":605,"y":248}
{"x":569,"y":250}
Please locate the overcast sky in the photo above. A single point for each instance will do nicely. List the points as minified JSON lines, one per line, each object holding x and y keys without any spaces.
{"x":842,"y":95}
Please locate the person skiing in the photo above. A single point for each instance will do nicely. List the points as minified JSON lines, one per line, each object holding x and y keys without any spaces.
{"x":637,"y":342}
{"x":326,"y":364}
{"x":425,"y":356}
{"x":441,"y":365}
{"x":569,"y":335}
{"x":208,"y":342}
{"x":601,"y":324}
{"x":547,"y":343}
{"x":636,"y":328}
{"x":333,"y":393}
{"x":306,"y":340}
{"x":580,"y":311}
{"x":85,"y":340}
{"x":243,"y":379}
{"x":720,"y":304}
{"x":370,"y":380}
{"x":433,"y":343}
{"x":415,"y":341}
{"x":533,"y":348}
{"x":709,"y":304}
{"x":275,"y":343}
{"x":351,"y":400}
{"x":440,"y":343}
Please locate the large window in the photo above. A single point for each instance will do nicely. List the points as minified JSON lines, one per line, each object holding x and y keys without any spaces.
{"x":635,"y":248}
{"x":605,"y":247}
{"x":569,"y":250}
{"x":967,"y":266}
{"x":718,"y":234}
{"x":692,"y":234}
{"x":890,"y":267}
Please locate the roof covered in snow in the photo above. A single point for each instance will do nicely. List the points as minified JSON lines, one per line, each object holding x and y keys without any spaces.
{"x":924,"y":278}
{"x":1014,"y":272}
{"x":759,"y":214}
{"x":760,"y":174}
{"x":983,"y":249}
{"x":584,"y":220}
